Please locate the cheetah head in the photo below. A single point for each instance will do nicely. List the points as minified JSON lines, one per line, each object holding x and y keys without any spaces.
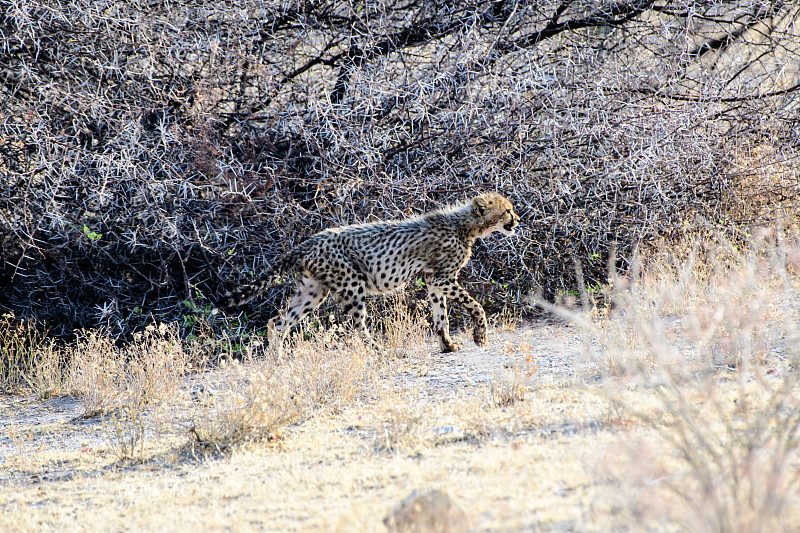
{"x":495,"y":214}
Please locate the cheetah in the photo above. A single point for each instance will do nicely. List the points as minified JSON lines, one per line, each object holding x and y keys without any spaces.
{"x":378,"y":258}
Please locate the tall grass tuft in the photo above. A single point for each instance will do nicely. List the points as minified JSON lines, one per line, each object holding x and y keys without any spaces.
{"x":28,"y":358}
{"x":260,"y":396}
{"x":702,"y":346}
{"x":107,"y":377}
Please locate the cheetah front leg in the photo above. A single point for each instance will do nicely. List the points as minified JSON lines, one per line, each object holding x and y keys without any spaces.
{"x":441,"y":325}
{"x":456,"y":292}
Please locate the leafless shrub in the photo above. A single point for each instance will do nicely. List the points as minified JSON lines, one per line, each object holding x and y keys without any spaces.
{"x":148,"y":157}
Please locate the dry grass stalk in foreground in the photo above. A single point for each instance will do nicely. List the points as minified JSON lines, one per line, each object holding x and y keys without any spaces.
{"x":703,"y":347}
{"x":260,"y":396}
{"x":107,"y":377}
{"x":127,"y":432}
{"x":119,"y":383}
{"x":28,"y":359}
{"x":508,"y":388}
{"x":404,"y":332}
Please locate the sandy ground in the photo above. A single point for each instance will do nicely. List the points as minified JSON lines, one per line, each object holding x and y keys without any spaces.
{"x":530,"y":465}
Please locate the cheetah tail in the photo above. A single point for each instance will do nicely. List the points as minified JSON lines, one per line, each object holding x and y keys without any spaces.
{"x":245,"y":293}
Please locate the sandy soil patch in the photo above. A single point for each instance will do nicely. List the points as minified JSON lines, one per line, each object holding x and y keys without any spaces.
{"x":522,"y":466}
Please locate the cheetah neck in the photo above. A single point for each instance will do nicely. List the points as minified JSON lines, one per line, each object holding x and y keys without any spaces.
{"x":466,"y":225}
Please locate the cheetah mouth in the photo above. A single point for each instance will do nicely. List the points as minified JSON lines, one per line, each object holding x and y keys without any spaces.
{"x":510,"y":227}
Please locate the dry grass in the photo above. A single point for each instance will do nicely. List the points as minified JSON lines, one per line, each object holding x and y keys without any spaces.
{"x":325,"y":438}
{"x":673,"y":410}
{"x":28,"y":359}
{"x":701,"y":348}
{"x":260,"y":396}
{"x":107,"y":377}
{"x":404,"y":329}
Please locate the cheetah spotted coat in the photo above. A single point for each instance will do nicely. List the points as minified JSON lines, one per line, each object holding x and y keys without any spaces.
{"x":352,"y":262}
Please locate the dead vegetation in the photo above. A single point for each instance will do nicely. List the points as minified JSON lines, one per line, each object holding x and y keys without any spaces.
{"x":701,"y":348}
{"x":260,"y":397}
{"x":682,"y":391}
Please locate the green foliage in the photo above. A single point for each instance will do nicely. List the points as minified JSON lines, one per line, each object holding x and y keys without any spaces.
{"x":91,"y":235}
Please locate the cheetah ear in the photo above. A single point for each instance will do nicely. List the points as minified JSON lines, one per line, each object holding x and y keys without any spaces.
{"x":479,"y":204}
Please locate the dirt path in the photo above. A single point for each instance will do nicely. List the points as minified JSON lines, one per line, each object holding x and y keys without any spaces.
{"x":512,"y":467}
{"x":555,"y":350}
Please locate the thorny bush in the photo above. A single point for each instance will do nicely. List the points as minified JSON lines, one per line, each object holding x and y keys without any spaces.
{"x":150,"y":154}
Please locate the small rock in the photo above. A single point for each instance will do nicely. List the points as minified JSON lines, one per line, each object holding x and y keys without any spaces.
{"x":427,"y":512}
{"x":447,"y":434}
{"x":201,"y":392}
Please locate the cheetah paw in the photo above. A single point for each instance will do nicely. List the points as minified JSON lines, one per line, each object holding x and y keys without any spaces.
{"x":450,"y":346}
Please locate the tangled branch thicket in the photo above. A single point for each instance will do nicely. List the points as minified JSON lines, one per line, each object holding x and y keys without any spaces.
{"x":151,"y":152}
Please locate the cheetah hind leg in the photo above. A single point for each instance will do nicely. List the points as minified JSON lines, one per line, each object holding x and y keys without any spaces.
{"x":479,"y":333}
{"x":310,"y":293}
{"x":448,"y":345}
{"x":276,"y":336}
{"x":354,"y":304}
{"x":352,"y":301}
